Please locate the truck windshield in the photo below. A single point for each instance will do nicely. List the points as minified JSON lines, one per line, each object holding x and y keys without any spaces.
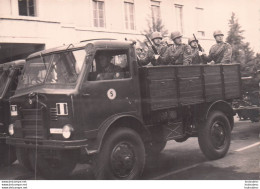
{"x":59,"y":68}
{"x":3,"y":79}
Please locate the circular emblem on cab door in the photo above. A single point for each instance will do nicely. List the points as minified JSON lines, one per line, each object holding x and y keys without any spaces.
{"x":111,"y":94}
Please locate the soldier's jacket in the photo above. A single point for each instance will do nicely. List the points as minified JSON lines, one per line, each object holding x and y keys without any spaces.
{"x":110,"y":72}
{"x":180,"y":55}
{"x":220,"y":53}
{"x":150,"y":56}
{"x":195,"y":57}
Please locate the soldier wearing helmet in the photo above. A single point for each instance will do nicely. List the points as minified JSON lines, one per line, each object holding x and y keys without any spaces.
{"x":221,"y":52}
{"x":196,"y":55}
{"x":180,"y":53}
{"x":151,"y":57}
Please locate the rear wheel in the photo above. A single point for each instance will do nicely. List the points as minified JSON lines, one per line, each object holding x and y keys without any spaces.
{"x":56,"y":164}
{"x":122,"y":156}
{"x":215,"y":135}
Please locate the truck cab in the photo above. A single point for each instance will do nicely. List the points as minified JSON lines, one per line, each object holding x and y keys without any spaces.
{"x":9,"y":73}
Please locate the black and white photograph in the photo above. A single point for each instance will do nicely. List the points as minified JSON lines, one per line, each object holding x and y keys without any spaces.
{"x":150,"y":91}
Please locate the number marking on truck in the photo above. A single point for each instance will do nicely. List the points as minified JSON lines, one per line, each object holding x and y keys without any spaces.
{"x":111,"y":94}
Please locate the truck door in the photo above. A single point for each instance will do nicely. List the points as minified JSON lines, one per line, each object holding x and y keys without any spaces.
{"x":110,"y":88}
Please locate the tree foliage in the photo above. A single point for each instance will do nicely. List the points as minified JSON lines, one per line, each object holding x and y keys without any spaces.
{"x":155,"y":25}
{"x":241,"y":51}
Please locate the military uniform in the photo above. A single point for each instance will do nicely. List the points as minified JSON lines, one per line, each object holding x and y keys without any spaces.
{"x":111,"y":71}
{"x":195,"y":57}
{"x":178,"y":55}
{"x":220,"y":53}
{"x":150,"y":56}
{"x":161,"y":49}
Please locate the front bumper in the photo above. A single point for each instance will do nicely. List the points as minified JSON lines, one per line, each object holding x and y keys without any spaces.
{"x":47,"y":144}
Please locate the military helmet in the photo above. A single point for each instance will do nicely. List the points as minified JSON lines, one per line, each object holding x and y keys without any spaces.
{"x":175,"y":35}
{"x":156,"y":35}
{"x":217,"y":32}
{"x":192,"y":39}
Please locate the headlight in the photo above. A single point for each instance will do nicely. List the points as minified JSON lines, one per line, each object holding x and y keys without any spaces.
{"x":11,"y":129}
{"x":66,"y":131}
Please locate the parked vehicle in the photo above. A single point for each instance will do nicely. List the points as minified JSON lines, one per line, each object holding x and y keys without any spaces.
{"x":67,"y":110}
{"x":9,"y":73}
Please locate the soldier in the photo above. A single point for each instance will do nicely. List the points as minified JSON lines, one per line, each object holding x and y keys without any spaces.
{"x":106,"y":69}
{"x":221,"y":52}
{"x":196,"y":55}
{"x":180,"y":53}
{"x":151,"y":56}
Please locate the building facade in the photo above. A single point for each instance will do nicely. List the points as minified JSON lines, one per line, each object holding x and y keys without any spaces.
{"x":27,"y":26}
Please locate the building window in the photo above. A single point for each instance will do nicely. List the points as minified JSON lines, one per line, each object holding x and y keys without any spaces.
{"x":26,"y":7}
{"x":99,"y":14}
{"x":199,"y":21}
{"x":179,"y":17}
{"x":156,"y":14}
{"x":129,"y":16}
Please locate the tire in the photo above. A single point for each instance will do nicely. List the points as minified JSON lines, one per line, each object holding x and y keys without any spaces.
{"x":56,"y":167}
{"x":7,"y":155}
{"x":215,"y":136}
{"x":155,"y":147}
{"x":122,"y":156}
{"x":22,"y":155}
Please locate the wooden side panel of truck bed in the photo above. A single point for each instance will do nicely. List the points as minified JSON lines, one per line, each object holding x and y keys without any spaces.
{"x":165,"y":87}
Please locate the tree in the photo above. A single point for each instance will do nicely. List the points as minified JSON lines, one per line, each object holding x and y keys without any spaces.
{"x":155,"y":25}
{"x":248,"y":53}
{"x":241,"y":51}
{"x":235,"y":38}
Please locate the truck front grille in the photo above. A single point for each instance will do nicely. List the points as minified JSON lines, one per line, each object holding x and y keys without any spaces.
{"x":32,"y":123}
{"x":53,"y":114}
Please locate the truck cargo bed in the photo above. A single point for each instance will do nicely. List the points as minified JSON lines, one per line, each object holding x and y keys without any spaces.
{"x":164,"y":87}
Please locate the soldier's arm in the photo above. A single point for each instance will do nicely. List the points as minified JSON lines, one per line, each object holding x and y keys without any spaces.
{"x":227,"y":55}
{"x":169,"y":58}
{"x":187,"y":56}
{"x":163,"y":56}
{"x":147,"y":59}
{"x":208,"y":58}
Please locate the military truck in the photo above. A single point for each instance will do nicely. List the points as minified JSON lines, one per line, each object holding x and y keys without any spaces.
{"x":9,"y":73}
{"x":69,"y":108}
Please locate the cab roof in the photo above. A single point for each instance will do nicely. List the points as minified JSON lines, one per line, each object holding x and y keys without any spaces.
{"x":16,"y":63}
{"x":98,"y":43}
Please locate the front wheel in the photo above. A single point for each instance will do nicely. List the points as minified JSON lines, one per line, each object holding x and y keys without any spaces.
{"x":122,"y":156}
{"x":215,"y":136}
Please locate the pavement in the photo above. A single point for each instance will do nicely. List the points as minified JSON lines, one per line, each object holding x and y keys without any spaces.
{"x":183,"y":161}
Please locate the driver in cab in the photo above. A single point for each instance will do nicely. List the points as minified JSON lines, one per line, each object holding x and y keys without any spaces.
{"x":107,"y":70}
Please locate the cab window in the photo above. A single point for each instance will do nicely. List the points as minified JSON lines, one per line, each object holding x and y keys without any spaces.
{"x":109,"y":65}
